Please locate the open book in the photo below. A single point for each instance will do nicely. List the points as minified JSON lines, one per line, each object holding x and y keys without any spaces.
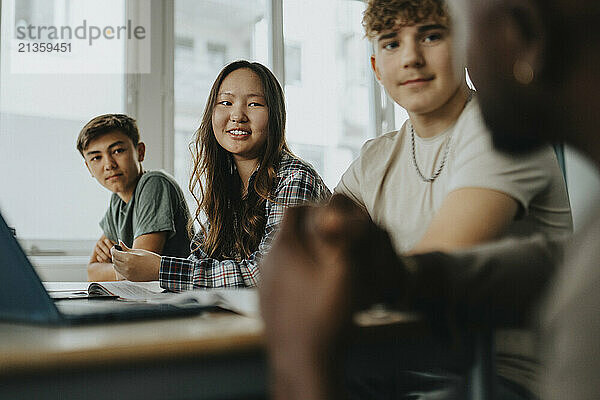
{"x":242,"y":301}
{"x":126,"y":290}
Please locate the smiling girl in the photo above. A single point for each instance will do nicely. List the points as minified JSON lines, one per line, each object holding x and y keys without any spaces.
{"x":244,"y":177}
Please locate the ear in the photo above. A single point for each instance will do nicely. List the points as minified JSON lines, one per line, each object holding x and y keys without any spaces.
{"x":524,"y":33}
{"x":141,"y":149}
{"x":374,"y":67}
{"x":512,"y":49}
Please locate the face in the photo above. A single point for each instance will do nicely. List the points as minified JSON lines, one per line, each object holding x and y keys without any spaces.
{"x":414,"y":64}
{"x":115,"y":162}
{"x":240,"y":117}
{"x":520,"y":117}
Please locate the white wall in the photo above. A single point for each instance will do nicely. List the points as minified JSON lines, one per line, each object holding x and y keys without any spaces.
{"x":583,"y":182}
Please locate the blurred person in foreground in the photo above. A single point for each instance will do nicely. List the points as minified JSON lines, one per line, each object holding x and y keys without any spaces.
{"x":535,"y":64}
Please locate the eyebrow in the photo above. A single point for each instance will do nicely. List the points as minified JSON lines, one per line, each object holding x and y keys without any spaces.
{"x":249,"y":94}
{"x":420,"y":29}
{"x":117,"y":143}
{"x":387,"y":36}
{"x":426,"y":28}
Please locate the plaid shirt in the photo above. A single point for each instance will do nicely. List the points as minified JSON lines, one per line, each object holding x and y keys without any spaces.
{"x":297,"y":183}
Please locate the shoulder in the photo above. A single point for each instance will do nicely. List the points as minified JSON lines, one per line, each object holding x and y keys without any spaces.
{"x":291,"y":166}
{"x":157,"y":176}
{"x":296,"y":175}
{"x":380,"y":149}
{"x":158,"y":187}
{"x":384,"y":142}
{"x":156,"y":179}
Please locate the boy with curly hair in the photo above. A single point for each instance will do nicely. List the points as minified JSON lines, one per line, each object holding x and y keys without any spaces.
{"x":437,"y":183}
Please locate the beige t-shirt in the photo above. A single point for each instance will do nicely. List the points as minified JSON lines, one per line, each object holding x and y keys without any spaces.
{"x":385,"y":182}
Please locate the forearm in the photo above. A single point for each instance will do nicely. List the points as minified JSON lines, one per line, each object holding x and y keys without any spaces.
{"x":97,"y":271}
{"x":305,"y":370}
{"x":308,"y":380}
{"x":180,"y":274}
{"x":495,"y":284}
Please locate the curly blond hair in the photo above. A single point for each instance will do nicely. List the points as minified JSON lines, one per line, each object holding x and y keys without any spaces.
{"x":383,"y":15}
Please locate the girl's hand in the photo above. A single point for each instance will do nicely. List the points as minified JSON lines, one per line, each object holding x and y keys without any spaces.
{"x":136,"y":264}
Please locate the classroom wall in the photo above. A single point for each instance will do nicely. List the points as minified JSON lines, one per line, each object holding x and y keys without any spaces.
{"x":583,"y":182}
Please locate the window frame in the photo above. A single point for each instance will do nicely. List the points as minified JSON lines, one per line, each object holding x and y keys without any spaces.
{"x":155,"y":113}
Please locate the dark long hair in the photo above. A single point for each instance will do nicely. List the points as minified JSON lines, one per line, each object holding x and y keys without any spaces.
{"x":235,"y":226}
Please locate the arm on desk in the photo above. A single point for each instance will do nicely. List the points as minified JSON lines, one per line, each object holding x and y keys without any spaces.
{"x":101,"y":268}
{"x":497,"y":284}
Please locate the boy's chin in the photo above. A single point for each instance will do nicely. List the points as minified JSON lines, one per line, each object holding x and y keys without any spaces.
{"x":113,"y":188}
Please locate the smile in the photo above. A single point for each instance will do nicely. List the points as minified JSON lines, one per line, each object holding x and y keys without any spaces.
{"x":238,"y":132}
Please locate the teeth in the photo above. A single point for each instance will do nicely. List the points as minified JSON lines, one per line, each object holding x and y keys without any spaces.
{"x":238,"y":132}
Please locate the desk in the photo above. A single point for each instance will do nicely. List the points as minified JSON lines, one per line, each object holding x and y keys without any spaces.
{"x":210,"y":356}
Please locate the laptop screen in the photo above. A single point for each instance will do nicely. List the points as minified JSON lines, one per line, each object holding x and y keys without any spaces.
{"x":22,"y":295}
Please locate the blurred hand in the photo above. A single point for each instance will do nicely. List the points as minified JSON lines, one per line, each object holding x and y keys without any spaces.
{"x":324,"y":263}
{"x":102,"y":250}
{"x":136,"y":264}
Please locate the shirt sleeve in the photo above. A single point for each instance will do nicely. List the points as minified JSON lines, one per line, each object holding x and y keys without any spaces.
{"x":350,"y":183}
{"x":201,"y":271}
{"x":155,"y":208}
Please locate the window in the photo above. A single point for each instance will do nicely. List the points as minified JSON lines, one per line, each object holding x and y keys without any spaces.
{"x":33,"y":12}
{"x":327,"y":83}
{"x":208,"y":35}
{"x":293,"y":64}
{"x":47,"y":193}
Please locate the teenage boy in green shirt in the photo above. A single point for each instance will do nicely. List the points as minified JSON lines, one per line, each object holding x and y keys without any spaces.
{"x":147,"y":209}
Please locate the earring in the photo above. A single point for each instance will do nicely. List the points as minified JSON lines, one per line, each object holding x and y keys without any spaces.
{"x":523,"y":72}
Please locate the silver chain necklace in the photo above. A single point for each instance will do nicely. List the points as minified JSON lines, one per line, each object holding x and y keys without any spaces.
{"x":438,"y":171}
{"x":441,"y":167}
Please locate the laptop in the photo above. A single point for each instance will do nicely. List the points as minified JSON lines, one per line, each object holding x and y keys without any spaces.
{"x":24,"y":298}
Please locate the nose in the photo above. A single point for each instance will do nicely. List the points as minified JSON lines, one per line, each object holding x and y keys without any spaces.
{"x":109,"y":162}
{"x":238,"y":113}
{"x":412,"y":57}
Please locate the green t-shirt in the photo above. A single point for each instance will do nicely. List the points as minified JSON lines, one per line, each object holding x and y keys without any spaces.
{"x":157,"y":205}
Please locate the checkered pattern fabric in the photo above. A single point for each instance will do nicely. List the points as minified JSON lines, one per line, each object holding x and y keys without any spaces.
{"x":297,"y":183}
